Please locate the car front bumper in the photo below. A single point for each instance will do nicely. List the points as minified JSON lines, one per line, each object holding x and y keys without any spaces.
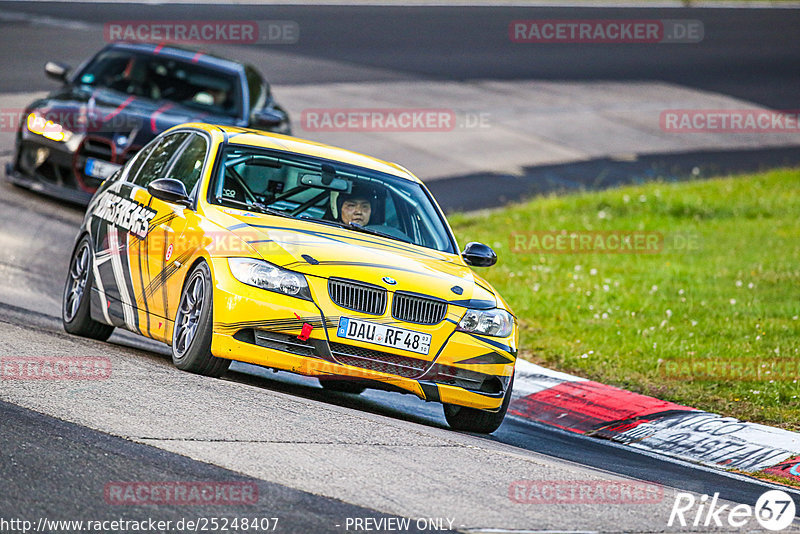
{"x":265,"y":328}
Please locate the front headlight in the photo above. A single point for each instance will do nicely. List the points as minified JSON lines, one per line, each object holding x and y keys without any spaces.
{"x":46,"y":128}
{"x":261,"y":274}
{"x":495,"y":322}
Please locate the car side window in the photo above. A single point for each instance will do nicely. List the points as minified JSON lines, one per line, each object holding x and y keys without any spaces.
{"x":257,"y":88}
{"x":138,"y":161}
{"x":157,"y":164}
{"x":188,"y":166}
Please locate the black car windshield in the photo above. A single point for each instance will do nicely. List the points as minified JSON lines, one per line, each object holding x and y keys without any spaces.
{"x":164,"y":78}
{"x":328,"y":192}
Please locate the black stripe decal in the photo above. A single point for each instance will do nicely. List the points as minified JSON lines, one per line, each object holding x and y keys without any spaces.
{"x":474,"y":303}
{"x":493,"y":343}
{"x":484,"y":287}
{"x":487,"y":359}
{"x":163,"y":269}
{"x":430,"y":390}
{"x":161,"y":278}
{"x":127,"y":278}
{"x":281,"y":324}
{"x":142,"y":243}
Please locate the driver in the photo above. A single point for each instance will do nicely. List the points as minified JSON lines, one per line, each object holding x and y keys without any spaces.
{"x":357,"y":206}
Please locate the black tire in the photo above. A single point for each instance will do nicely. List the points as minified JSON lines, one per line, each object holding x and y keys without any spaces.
{"x":191,"y":337}
{"x":475,"y":420}
{"x":342,"y":386}
{"x":75,"y":302}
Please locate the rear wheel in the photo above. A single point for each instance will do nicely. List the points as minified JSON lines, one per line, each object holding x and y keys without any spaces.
{"x":191,"y":338}
{"x":75,"y":313}
{"x":341,"y":386}
{"x":475,"y":420}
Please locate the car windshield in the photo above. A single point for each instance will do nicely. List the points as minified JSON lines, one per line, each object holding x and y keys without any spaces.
{"x":328,"y":192}
{"x":163,"y":78}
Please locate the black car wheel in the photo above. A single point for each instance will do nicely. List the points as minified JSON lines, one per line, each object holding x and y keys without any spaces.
{"x":475,"y":420}
{"x":191,"y":338}
{"x":75,"y":313}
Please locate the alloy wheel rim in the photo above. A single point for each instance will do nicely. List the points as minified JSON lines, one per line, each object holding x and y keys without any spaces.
{"x":79,"y":275}
{"x":188,"y":320}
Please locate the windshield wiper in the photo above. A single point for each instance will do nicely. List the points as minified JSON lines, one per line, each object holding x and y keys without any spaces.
{"x":257,"y":206}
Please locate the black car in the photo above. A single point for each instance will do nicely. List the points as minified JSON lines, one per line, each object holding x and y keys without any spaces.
{"x":115,"y":103}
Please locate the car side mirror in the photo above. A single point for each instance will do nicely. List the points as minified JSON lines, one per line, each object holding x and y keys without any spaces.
{"x":56,"y":71}
{"x":479,"y":255}
{"x":169,"y":190}
{"x":268,"y":119}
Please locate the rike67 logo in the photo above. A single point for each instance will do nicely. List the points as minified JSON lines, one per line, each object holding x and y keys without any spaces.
{"x":774,"y":510}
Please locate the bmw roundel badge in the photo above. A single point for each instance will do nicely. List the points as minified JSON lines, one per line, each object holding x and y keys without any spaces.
{"x":389,"y":280}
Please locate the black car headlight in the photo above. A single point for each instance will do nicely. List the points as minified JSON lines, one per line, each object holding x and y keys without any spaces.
{"x":264,"y":275}
{"x":494,"y":322}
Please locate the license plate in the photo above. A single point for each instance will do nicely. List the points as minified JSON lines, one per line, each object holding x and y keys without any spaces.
{"x":97,"y":168}
{"x":388,"y":336}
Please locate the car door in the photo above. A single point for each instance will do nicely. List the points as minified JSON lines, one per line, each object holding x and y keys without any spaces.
{"x":174,"y":238}
{"x":156,"y":257}
{"x":117,"y":222}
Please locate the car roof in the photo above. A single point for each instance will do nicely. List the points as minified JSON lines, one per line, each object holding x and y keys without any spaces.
{"x":259,"y":138}
{"x":185,"y":54}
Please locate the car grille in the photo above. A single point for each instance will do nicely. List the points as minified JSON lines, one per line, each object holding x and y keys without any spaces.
{"x":96,"y":148}
{"x":357,"y":296}
{"x":374,"y":360}
{"x":420,"y":310}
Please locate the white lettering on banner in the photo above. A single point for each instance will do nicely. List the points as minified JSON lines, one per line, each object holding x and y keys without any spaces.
{"x":714,"y":440}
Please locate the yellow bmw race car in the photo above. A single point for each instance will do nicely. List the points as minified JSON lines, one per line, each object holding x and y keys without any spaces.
{"x":235,"y":244}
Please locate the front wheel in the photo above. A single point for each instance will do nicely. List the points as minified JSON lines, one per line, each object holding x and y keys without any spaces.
{"x":191,"y":338}
{"x":75,"y":313}
{"x":475,"y":420}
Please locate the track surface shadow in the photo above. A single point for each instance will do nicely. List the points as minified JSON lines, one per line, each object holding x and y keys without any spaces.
{"x":491,"y":190}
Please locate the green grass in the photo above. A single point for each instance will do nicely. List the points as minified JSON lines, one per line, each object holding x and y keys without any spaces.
{"x":733,"y":297}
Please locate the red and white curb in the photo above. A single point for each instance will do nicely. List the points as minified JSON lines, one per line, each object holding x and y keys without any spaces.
{"x":593,"y":409}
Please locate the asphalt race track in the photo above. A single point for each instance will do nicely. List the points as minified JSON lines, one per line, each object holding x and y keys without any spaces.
{"x":319,"y":458}
{"x":749,"y":54}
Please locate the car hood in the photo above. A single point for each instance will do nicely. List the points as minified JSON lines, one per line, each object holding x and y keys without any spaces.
{"x":327,"y":251}
{"x":128,"y":120}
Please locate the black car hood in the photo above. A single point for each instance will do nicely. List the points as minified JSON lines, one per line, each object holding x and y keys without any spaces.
{"x":129,"y":121}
